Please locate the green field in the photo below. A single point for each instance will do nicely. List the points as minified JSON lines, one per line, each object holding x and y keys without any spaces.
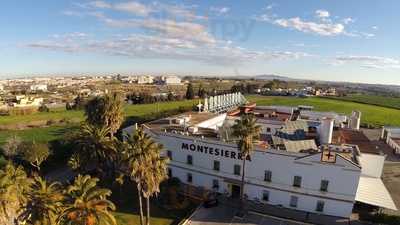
{"x":42,"y":134}
{"x":371,"y":114}
{"x":390,"y":102}
{"x":46,"y":134}
{"x":76,"y":116}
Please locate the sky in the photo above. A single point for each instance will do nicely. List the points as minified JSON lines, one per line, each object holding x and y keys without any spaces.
{"x":341,"y":40}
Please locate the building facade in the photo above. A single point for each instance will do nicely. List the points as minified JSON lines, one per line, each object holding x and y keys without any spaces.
{"x":279,"y":178}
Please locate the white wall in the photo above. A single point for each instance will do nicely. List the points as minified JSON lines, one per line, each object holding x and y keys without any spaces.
{"x":372,"y":165}
{"x":343,"y":176}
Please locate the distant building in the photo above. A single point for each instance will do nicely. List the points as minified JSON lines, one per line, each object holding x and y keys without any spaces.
{"x":26,"y":101}
{"x":171,"y":80}
{"x":38,"y":87}
{"x":145,"y":80}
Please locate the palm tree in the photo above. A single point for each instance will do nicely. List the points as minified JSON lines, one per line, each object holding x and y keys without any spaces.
{"x":106,"y":111}
{"x":114,"y":112}
{"x":147,"y":168}
{"x":136,"y":158}
{"x":94,"y":144}
{"x":14,"y":185}
{"x":247,"y":132}
{"x":44,"y":203}
{"x":156,"y":174}
{"x":87,"y":204}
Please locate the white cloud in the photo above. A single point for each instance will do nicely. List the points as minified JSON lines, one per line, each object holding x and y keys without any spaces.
{"x":134,"y":8}
{"x":348,"y":20}
{"x":322,"y":13}
{"x":270,"y":6}
{"x":100,"y":4}
{"x":220,"y":10}
{"x":376,"y":62}
{"x":146,"y":46}
{"x":375,"y":27}
{"x":324,"y":29}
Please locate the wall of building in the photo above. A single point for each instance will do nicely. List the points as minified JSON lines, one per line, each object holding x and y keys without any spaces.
{"x":342,"y":176}
{"x":372,"y":165}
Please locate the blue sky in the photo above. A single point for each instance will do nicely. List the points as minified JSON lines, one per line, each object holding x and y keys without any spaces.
{"x":341,"y":40}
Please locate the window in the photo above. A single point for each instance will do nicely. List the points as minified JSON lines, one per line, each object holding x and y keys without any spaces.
{"x":236,"y":170}
{"x":215,"y":184}
{"x":297,"y":181}
{"x":216,"y":165}
{"x":189,"y":178}
{"x":320,"y":206}
{"x":189,"y":160}
{"x":268,"y":129}
{"x":324,"y":185}
{"x":169,"y":172}
{"x":293,"y":201}
{"x":267,"y":175}
{"x":265,"y":196}
{"x":169,"y":155}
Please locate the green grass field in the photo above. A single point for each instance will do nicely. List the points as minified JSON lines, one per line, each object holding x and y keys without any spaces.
{"x":127,"y":212}
{"x":390,"y":102}
{"x":371,"y":114}
{"x":46,"y":134}
{"x":60,"y":114}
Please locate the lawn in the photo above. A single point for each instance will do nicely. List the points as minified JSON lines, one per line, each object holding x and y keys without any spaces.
{"x":390,"y":102}
{"x":76,"y":116}
{"x":49,"y":133}
{"x":42,"y":134}
{"x":127,"y":212}
{"x":371,"y":114}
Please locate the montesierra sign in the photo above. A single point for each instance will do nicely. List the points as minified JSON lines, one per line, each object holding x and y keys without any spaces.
{"x":213,"y":151}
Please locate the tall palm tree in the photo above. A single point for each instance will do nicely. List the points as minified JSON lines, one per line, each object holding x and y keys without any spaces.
{"x":87,"y":204}
{"x":106,"y":111}
{"x":136,"y":157}
{"x":114,"y":112}
{"x":95,"y":144}
{"x":146,"y":167}
{"x":14,"y":185}
{"x":44,"y":203}
{"x":247,"y":131}
{"x":156,"y":174}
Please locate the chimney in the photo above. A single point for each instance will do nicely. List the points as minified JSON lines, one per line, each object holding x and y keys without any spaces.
{"x":326,"y":130}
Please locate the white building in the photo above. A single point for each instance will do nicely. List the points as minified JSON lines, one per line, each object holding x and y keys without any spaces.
{"x":38,"y":87}
{"x":391,"y":135}
{"x":171,"y":80}
{"x":145,"y":80}
{"x":327,"y":180}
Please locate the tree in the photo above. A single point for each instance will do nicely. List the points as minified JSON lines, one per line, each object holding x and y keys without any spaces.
{"x":189,"y":91}
{"x":14,"y":186}
{"x":147,"y":168}
{"x":12,"y":147}
{"x":202,"y":92}
{"x":247,"y":131}
{"x":35,"y":153}
{"x":44,"y":203}
{"x":87,"y":204}
{"x":94,"y":145}
{"x":136,"y":158}
{"x":43,"y":108}
{"x":156,"y":173}
{"x":79,"y":102}
{"x":106,"y":111}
